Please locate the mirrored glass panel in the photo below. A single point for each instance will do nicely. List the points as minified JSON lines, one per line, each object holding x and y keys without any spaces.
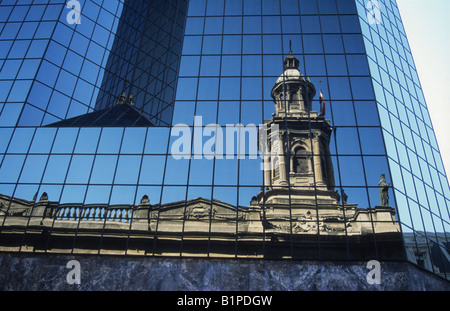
{"x":243,"y":129}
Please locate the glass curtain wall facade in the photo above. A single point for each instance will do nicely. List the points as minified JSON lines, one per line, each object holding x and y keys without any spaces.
{"x":357,"y":174}
{"x":146,"y":58}
{"x":418,"y":175}
{"x":52,"y":70}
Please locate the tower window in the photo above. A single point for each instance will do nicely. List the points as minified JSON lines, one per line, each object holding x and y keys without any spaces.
{"x":276,"y":168}
{"x":301,"y":161}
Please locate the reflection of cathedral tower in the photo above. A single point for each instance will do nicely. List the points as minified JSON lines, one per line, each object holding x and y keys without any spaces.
{"x":299,"y":195}
{"x":298,"y":141}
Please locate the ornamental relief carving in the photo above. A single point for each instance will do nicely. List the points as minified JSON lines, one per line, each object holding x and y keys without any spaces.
{"x":200,"y":212}
{"x":308,"y":223}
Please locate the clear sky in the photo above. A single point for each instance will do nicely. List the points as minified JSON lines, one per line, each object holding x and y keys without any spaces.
{"x":427,"y":25}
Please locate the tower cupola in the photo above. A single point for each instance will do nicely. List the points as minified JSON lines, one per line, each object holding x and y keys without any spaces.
{"x":292,"y":92}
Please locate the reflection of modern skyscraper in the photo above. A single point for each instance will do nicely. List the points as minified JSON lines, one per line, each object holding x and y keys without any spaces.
{"x":88,"y":114}
{"x":145,"y":58}
{"x":68,"y":70}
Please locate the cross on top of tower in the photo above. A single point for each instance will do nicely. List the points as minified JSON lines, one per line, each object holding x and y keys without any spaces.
{"x":290,"y":62}
{"x":292,"y":92}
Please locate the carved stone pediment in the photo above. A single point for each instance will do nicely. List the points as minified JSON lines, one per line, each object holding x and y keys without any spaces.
{"x":13,"y":211}
{"x":200,"y":211}
{"x":16,"y":207}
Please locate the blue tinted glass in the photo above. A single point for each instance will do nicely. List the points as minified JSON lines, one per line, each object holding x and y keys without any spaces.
{"x":19,"y":49}
{"x":252,"y":25}
{"x":230,"y":88}
{"x":312,"y":44}
{"x":56,"y":169}
{"x":212,"y":44}
{"x":217,"y":61}
{"x":327,"y":6}
{"x":252,"y":7}
{"x":80,"y":168}
{"x":29,"y":69}
{"x":213,"y":25}
{"x":357,"y":65}
{"x":10,"y":169}
{"x":42,"y":140}
{"x":308,"y":7}
{"x":133,"y":140}
{"x":10,"y":69}
{"x":361,"y":88}
{"x":37,"y":48}
{"x":333,"y":44}
{"x":231,"y":44}
{"x":127,"y":169}
{"x":339,"y":88}
{"x":35,"y":12}
{"x":10,"y":114}
{"x":19,"y":90}
{"x":10,"y":31}
{"x":103,"y":169}
{"x":353,"y":43}
{"x":336,"y":65}
{"x":310,"y":24}
{"x":30,"y":116}
{"x":44,"y":30}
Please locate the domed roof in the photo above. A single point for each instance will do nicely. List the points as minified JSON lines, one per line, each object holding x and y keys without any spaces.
{"x":290,"y":69}
{"x":289,"y":74}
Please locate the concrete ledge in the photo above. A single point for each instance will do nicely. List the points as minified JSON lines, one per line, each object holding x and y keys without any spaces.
{"x":21,"y":271}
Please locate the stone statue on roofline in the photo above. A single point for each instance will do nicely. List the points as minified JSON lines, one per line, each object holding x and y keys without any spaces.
{"x":384,"y":188}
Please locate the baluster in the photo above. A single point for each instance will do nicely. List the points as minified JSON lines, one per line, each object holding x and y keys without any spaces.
{"x":58,"y":213}
{"x":130,"y":215}
{"x":91,"y":213}
{"x":88,"y":214}
{"x":65,"y":214}
{"x":82,"y":213}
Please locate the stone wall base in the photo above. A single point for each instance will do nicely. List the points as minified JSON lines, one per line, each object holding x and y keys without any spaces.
{"x":33,"y":272}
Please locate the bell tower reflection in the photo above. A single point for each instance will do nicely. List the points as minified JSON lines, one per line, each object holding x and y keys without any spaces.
{"x":299,"y":196}
{"x":300,"y":153}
